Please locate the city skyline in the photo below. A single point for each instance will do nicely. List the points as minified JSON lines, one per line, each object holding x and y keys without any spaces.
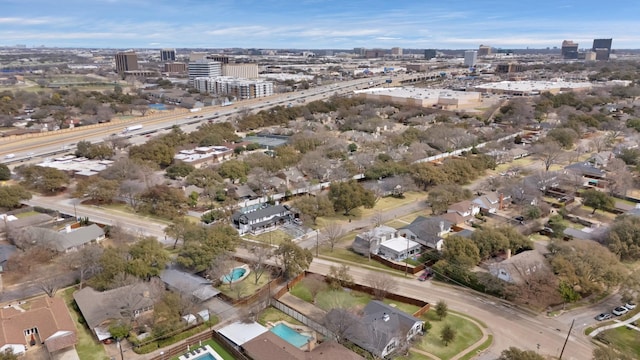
{"x":306,"y":24}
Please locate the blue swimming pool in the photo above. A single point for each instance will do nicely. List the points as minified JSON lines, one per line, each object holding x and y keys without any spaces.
{"x":205,"y":356}
{"x":158,"y":106}
{"x":289,"y":335}
{"x":234,"y":275}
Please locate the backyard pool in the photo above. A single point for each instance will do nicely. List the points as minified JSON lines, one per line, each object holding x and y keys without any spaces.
{"x":235,"y":275}
{"x":158,"y":106}
{"x":289,"y":335}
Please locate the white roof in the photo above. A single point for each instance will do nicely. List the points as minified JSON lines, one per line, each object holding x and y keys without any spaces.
{"x":418,"y":93}
{"x":239,"y":332}
{"x":399,"y":244}
{"x":534,"y":85}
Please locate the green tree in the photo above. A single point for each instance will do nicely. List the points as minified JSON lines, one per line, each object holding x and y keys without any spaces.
{"x":441,"y":196}
{"x":353,"y":147}
{"x":12,"y":195}
{"x":164,"y":201}
{"x":97,"y":189}
{"x":461,"y":251}
{"x":557,"y":225}
{"x":112,"y":263}
{"x":602,"y":353}
{"x":514,"y":353}
{"x":349,"y":195}
{"x":179,"y":229}
{"x":597,"y":200}
{"x":5,"y":172}
{"x":292,"y":258}
{"x":43,"y":179}
{"x":624,"y":238}
{"x":204,"y":178}
{"x":8,"y":355}
{"x":119,"y":330}
{"x":234,"y":170}
{"x":442,"y":309}
{"x":147,"y":258}
{"x":427,"y":175}
{"x":204,"y":244}
{"x":313,"y":207}
{"x":568,"y":294}
{"x":447,"y":335}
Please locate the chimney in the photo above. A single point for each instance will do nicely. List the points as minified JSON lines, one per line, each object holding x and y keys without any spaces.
{"x":501,"y":203}
{"x":508,"y":253}
{"x":67,"y":228}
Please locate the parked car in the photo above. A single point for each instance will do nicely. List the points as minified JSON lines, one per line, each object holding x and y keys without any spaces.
{"x":426,"y":275}
{"x":546,"y":231}
{"x":630,"y":305}
{"x":620,"y":310}
{"x":519,"y":218}
{"x":603,"y":316}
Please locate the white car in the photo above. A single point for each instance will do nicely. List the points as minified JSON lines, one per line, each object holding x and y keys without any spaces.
{"x":630,"y":305}
{"x":620,"y":310}
{"x":10,"y":156}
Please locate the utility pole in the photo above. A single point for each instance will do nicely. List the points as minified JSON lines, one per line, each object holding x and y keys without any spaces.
{"x":567,"y":339}
{"x":317,"y":241}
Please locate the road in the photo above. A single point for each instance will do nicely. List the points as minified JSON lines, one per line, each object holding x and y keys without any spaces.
{"x":509,"y":325}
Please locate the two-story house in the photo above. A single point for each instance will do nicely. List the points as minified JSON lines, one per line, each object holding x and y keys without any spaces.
{"x":427,"y":231}
{"x":369,"y":241}
{"x":466,"y":209}
{"x":261,"y":218}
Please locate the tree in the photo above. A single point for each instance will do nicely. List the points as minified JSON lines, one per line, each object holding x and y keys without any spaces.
{"x":341,"y":322}
{"x":514,"y":353}
{"x":40,"y":178}
{"x":147,"y":258}
{"x":442,"y":309}
{"x":119,"y":330}
{"x":206,"y":244}
{"x":5,"y":172}
{"x":49,"y":285}
{"x":441,"y":196}
{"x":599,"y":353}
{"x":179,"y":230}
{"x":597,"y":200}
{"x":624,"y":238}
{"x":382,"y":284}
{"x":258,"y":263}
{"x":333,"y":232}
{"x":339,"y":277}
{"x":461,"y":251}
{"x":549,"y":152}
{"x":447,"y":335}
{"x":313,"y":207}
{"x":97,"y":189}
{"x":164,"y":201}
{"x":86,"y":261}
{"x":179,"y":170}
{"x":234,"y":170}
{"x":292,"y":258}
{"x":8,"y":355}
{"x":12,"y":195}
{"x":349,"y":195}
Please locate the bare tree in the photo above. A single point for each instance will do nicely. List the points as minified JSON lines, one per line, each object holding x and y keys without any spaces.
{"x":258,"y":263}
{"x":220,"y":266}
{"x":621,"y":177}
{"x":49,"y":285}
{"x":599,"y":143}
{"x":377,"y":219}
{"x":382,"y":284}
{"x":549,"y":152}
{"x":86,"y":261}
{"x":333,"y":232}
{"x":341,"y":322}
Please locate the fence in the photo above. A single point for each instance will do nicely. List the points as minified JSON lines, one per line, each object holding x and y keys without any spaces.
{"x":411,"y":269}
{"x":303,"y":319}
{"x":194,"y":341}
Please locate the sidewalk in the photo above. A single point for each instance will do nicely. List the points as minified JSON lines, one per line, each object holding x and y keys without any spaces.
{"x":618,"y":323}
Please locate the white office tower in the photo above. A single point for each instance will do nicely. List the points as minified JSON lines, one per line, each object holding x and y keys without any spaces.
{"x":470,"y":58}
{"x":204,"y":68}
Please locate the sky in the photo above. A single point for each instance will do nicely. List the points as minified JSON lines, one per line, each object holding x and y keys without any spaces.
{"x":318,"y":24}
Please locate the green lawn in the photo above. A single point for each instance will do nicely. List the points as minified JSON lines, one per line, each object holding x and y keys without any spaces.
{"x":26,"y":214}
{"x":414,"y":356}
{"x":246,"y":287}
{"x":88,"y":347}
{"x":383,"y":205}
{"x":347,"y":255}
{"x":467,"y":334}
{"x":485,"y":345}
{"x":404,"y":307}
{"x":272,"y":315}
{"x":625,"y":340}
{"x":275,"y":237}
{"x":217,"y":347}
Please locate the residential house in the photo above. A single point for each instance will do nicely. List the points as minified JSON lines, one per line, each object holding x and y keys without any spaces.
{"x":427,"y":231}
{"x":592,"y":176}
{"x":188,"y":284}
{"x":492,"y":202}
{"x":100,"y":309}
{"x":42,"y":320}
{"x":466,"y":209}
{"x":382,"y":329}
{"x":6,"y":251}
{"x":369,"y":241}
{"x":67,"y":240}
{"x":601,"y":159}
{"x":269,"y":346}
{"x":518,"y":268}
{"x":241,"y":192}
{"x":261,"y":218}
{"x":399,"y":248}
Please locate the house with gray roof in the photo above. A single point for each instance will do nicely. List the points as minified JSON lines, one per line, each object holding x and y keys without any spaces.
{"x":188,"y":284}
{"x":491,"y":202}
{"x":427,"y":231}
{"x":369,"y":241}
{"x":67,"y":240}
{"x":261,"y":219}
{"x":518,"y":268}
{"x":382,"y":329}
{"x":100,"y":309}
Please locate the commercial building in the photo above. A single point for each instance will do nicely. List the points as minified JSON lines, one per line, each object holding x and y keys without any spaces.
{"x":509,"y":68}
{"x":219,"y":58}
{"x":602,"y":48}
{"x":126,"y":61}
{"x":196,"y":56}
{"x":247,"y":71}
{"x":430,"y":54}
{"x":484,"y":50}
{"x":175,"y":67}
{"x":440,"y":98}
{"x":239,"y":88}
{"x":527,"y":88}
{"x":470,"y":58}
{"x":569,"y":50}
{"x":590,"y":55}
{"x":396,"y":51}
{"x":168,"y":55}
{"x":204,"y":69}
{"x":374,"y":53}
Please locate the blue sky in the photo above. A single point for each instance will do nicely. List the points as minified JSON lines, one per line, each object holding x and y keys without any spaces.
{"x":304,"y":24}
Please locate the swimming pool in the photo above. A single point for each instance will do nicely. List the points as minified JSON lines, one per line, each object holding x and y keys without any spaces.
{"x":205,"y":356}
{"x":234,"y":275}
{"x":289,"y":335}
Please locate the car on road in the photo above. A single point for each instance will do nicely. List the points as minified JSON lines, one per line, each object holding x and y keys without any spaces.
{"x":630,"y":305}
{"x":10,"y":156}
{"x":603,"y":316}
{"x":426,"y":275}
{"x":620,"y":310}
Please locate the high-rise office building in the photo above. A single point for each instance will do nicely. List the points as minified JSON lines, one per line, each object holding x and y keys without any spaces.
{"x":430,"y":54}
{"x":569,"y":50}
{"x":484,"y":50}
{"x":126,"y":61}
{"x":204,"y":68}
{"x":396,"y":51}
{"x":219,"y":58}
{"x":168,"y":55}
{"x":602,"y":48}
{"x":245,"y":71}
{"x":195,"y":56}
{"x":470,"y":58}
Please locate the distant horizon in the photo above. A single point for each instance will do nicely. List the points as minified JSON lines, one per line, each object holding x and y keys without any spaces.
{"x":316,"y":24}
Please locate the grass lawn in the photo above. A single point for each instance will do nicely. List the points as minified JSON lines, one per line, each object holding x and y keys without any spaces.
{"x":275,"y":237}
{"x":272,"y":315}
{"x":625,"y":340}
{"x":215,"y":346}
{"x":467,"y":333}
{"x":88,"y":348}
{"x":329,"y":299}
{"x":407,"y":308}
{"x":26,"y":214}
{"x":414,"y":356}
{"x":348,"y":255}
{"x":245,"y":287}
{"x":382,"y":206}
{"x":484,"y":346}
{"x":124,"y":208}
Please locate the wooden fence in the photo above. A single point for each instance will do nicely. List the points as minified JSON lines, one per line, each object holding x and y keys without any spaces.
{"x":193,"y":342}
{"x":411,"y":269}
